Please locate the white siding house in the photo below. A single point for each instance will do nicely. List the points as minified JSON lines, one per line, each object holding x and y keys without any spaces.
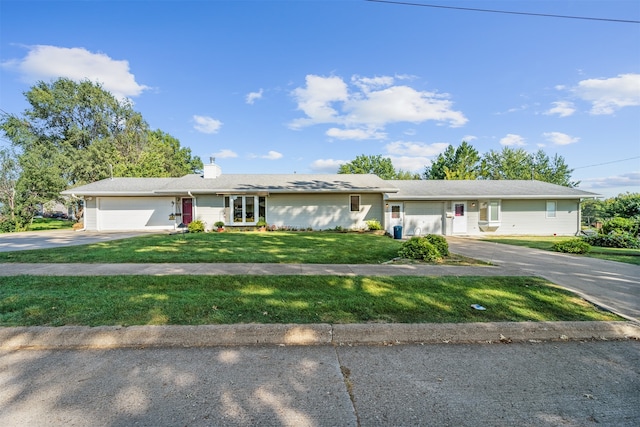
{"x":323,"y":202}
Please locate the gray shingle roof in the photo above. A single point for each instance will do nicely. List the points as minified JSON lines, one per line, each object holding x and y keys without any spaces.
{"x":120,"y":186}
{"x":237,"y":183}
{"x":329,"y":183}
{"x":474,"y":189}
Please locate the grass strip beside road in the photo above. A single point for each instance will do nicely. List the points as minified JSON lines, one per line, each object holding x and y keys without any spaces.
{"x":629,"y":256}
{"x":196,"y":300}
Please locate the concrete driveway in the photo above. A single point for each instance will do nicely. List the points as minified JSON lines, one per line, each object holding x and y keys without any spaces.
{"x":611,"y":285}
{"x":55,"y":238}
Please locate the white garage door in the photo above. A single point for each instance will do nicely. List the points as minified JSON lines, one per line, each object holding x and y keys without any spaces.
{"x":422,"y":218}
{"x":134,"y":213}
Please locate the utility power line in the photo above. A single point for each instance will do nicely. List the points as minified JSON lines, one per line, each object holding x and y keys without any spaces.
{"x":472,"y":9}
{"x":608,"y":163}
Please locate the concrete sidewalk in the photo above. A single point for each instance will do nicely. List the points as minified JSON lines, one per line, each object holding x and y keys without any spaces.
{"x":208,"y":269}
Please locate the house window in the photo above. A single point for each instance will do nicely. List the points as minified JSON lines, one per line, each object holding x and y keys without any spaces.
{"x":551,"y":209}
{"x":395,"y":211}
{"x":355,"y":203}
{"x":245,"y":209}
{"x":490,"y":211}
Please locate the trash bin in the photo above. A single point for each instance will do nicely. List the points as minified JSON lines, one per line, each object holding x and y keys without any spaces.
{"x":397,"y":232}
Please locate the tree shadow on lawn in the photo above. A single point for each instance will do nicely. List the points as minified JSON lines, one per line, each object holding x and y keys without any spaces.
{"x":193,"y":300}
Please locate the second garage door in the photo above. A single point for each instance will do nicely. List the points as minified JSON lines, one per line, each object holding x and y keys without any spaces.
{"x":422,"y":218}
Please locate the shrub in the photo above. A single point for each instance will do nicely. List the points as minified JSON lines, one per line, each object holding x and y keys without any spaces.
{"x":374,"y":224}
{"x":419,"y":248}
{"x":620,"y":225}
{"x":572,"y":246}
{"x":439,"y":242}
{"x":261,"y":222}
{"x":613,"y":240}
{"x":196,"y":226}
{"x":219,"y":224}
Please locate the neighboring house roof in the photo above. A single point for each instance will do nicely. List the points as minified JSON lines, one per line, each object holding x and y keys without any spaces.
{"x":482,"y":189}
{"x":236,"y":184}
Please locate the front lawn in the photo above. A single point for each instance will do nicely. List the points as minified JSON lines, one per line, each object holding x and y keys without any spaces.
{"x":196,"y":300}
{"x":271,"y":247}
{"x":40,"y":224}
{"x":630,"y":256}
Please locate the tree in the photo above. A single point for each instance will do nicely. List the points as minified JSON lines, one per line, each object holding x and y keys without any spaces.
{"x":518,"y":164}
{"x":80,"y":132}
{"x":506,"y":164}
{"x":9,"y":174}
{"x":455,"y":163}
{"x":625,"y":205}
{"x":377,"y":165}
{"x":406,"y":175}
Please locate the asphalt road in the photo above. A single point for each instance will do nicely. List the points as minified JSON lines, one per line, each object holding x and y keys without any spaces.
{"x":592,"y":383}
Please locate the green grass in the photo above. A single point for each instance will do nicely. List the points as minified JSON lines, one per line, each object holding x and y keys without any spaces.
{"x":194,"y":300}
{"x":40,"y":224}
{"x":630,"y":256}
{"x":272,"y":247}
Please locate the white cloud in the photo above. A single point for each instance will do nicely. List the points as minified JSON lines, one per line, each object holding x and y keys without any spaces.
{"x":409,"y":163}
{"x":631,"y":179}
{"x":413,"y":156}
{"x":401,"y":104}
{"x":355,"y":134}
{"x":225,"y":154}
{"x":415,"y":149}
{"x":512,"y":140}
{"x":561,"y":108}
{"x":327,"y":165}
{"x":316,"y":98}
{"x":206,"y":124}
{"x":369,"y":104}
{"x":469,"y":138}
{"x":560,"y":138}
{"x":272,"y":155}
{"x":609,"y":95}
{"x":44,"y":62}
{"x":253,"y":96}
{"x":366,"y":84}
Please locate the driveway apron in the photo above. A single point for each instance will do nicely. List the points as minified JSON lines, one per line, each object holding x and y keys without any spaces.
{"x":612,"y":285}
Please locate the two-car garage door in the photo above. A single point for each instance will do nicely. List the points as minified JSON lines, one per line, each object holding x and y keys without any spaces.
{"x":422,"y":218}
{"x":134,"y":213}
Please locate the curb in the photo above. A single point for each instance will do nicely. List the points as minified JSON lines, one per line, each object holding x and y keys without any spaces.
{"x":114,"y":337}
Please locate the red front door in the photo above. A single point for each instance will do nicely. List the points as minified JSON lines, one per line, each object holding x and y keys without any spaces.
{"x":187,"y":211}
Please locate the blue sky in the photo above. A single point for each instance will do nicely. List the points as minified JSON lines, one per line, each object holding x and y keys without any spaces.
{"x":303,"y":86}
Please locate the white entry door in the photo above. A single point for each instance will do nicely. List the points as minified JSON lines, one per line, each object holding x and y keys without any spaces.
{"x":459,"y":217}
{"x":396,"y":216}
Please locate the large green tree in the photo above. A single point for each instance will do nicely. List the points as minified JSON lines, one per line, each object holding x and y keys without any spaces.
{"x":375,"y":164}
{"x":510,"y":163}
{"x":75,"y":133}
{"x":462,"y":162}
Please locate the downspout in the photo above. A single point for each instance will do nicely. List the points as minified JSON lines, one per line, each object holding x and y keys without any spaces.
{"x":579,"y":217}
